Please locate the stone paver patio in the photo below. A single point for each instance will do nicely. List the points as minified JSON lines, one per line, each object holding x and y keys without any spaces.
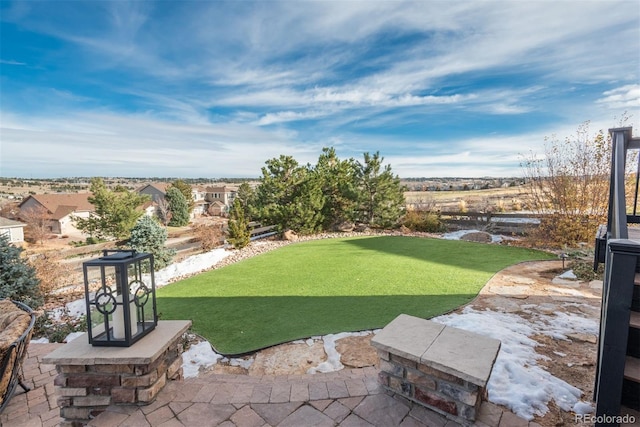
{"x":351,"y":397}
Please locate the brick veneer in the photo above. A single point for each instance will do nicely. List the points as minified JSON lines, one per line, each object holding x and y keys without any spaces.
{"x":442,"y":368}
{"x":88,"y":385}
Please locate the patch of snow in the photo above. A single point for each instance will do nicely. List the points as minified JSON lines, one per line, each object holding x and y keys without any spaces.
{"x":42,"y":340}
{"x":569,"y":274}
{"x":558,"y":353}
{"x":457,"y":235}
{"x":243,"y":363}
{"x":333,"y":357}
{"x":332,"y":363}
{"x":583,"y":408}
{"x":198,"y":356}
{"x":191,"y":265}
{"x":517,"y":381}
{"x":74,"y":309}
{"x":188,"y":266}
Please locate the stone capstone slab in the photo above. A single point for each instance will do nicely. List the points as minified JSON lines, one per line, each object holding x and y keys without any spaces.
{"x":454,"y":351}
{"x":148,"y":349}
{"x":407,"y":336}
{"x":463,"y":354}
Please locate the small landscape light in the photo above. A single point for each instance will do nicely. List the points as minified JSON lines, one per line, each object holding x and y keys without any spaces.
{"x":563,"y":256}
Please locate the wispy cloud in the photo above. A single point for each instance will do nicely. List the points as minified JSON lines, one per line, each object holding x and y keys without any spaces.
{"x":11,"y":62}
{"x":623,"y":97}
{"x":221,"y":77}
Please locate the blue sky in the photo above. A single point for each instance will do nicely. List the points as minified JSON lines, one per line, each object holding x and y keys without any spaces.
{"x":214,"y":89}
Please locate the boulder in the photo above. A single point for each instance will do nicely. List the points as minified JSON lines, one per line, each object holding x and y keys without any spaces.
{"x":361,"y":228}
{"x":345,"y":226}
{"x":290,"y":235}
{"x":477,"y":236}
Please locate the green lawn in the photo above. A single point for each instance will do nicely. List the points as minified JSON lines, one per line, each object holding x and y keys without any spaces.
{"x":333,"y":285}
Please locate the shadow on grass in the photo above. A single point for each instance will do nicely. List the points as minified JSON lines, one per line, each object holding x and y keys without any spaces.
{"x":239,"y":325}
{"x":456,"y":253}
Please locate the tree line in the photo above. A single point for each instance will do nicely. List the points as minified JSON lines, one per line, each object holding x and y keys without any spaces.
{"x":322,"y":197}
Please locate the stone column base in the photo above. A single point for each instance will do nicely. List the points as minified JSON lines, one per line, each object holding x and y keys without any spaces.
{"x":92,"y":378}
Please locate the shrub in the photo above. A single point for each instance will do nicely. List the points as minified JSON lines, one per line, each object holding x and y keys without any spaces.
{"x":18,"y":280}
{"x":570,"y":183}
{"x":423,"y":221}
{"x":149,"y":236}
{"x":583,"y":269}
{"x":57,"y":331}
{"x":565,"y":230}
{"x":209,"y":236}
{"x":52,"y":273}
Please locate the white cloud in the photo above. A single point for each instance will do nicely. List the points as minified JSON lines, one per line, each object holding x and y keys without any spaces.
{"x":108,"y":144}
{"x":627,"y":96}
{"x":207,"y":79}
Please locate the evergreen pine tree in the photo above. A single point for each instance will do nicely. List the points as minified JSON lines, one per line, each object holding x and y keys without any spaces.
{"x":239,"y":234}
{"x":178,"y":206}
{"x":381,"y":195}
{"x":289,"y":196}
{"x":18,"y":280}
{"x":185,"y":189}
{"x":116,"y":211}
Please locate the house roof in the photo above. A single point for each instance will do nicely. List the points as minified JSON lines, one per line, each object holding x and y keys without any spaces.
{"x":160,"y":186}
{"x":9,"y":223}
{"x":222,"y":189}
{"x":60,"y":205}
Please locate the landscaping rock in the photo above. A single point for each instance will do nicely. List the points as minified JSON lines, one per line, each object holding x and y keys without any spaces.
{"x":345,"y":227}
{"x":290,"y":236}
{"x":288,"y":359}
{"x":477,"y":236}
{"x":357,"y":352}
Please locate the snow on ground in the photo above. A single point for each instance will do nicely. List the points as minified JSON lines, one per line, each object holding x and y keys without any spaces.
{"x":188,"y":266}
{"x":333,"y":357}
{"x":198,"y":356}
{"x":457,"y":235}
{"x":517,"y":381}
{"x":191,"y":265}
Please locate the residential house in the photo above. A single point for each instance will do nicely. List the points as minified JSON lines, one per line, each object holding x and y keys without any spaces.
{"x":156,"y":190}
{"x":220,"y":198}
{"x":60,"y":209}
{"x":12,"y":229}
{"x":201,"y":205}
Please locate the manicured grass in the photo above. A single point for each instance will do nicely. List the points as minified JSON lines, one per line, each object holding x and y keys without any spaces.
{"x":334,"y":285}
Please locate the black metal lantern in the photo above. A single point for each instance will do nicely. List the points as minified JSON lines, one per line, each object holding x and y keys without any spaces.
{"x":120,"y":294}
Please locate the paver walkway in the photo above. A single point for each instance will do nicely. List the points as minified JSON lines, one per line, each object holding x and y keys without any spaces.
{"x":351,"y":397}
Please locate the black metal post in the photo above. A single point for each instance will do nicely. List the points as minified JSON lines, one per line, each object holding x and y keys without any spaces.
{"x":616,"y":308}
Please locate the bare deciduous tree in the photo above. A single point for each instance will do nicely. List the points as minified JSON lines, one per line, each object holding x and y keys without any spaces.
{"x":570,"y":184}
{"x":37,"y":219}
{"x":52,"y":272}
{"x":163,"y":211}
{"x":209,"y":236}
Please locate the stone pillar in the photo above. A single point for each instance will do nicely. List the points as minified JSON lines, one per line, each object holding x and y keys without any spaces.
{"x":442,"y":368}
{"x":92,"y":378}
